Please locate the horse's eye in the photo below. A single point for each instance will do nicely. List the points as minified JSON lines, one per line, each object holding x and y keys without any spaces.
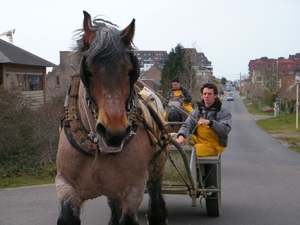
{"x":90,"y":74}
{"x":130,"y":72}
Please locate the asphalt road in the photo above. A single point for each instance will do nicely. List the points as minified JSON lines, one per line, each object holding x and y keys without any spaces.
{"x":260,"y":185}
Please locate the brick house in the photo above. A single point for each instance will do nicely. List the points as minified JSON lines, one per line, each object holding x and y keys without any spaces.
{"x":281,"y":70}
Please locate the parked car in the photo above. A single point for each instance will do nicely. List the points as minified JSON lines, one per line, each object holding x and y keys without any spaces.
{"x":230,"y":96}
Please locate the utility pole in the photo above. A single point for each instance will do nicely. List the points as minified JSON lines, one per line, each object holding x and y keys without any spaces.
{"x":297,"y":105}
{"x":277,"y":75}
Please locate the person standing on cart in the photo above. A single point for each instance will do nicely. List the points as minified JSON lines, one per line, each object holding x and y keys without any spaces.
{"x":178,"y":91}
{"x":209,"y":124}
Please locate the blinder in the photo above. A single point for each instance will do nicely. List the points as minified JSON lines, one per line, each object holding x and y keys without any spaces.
{"x":84,"y":76}
{"x":84,"y":73}
{"x":135,"y":73}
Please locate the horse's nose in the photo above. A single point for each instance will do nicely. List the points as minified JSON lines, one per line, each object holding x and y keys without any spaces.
{"x":101,"y":130}
{"x":113,"y":137}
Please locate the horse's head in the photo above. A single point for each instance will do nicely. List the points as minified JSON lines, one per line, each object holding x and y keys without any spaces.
{"x":175,"y":102}
{"x":108,"y":71}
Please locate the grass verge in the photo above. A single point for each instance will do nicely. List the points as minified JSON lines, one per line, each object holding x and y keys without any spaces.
{"x":44,"y":174}
{"x":24,"y":181}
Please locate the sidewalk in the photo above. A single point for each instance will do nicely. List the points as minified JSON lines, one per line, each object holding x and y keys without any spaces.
{"x":285,"y":135}
{"x":287,"y":143}
{"x":259,"y":117}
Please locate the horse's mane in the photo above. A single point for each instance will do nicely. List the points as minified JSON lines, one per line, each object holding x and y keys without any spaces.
{"x":106,"y":49}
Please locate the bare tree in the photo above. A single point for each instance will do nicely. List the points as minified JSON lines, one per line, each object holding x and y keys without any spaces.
{"x":289,"y":97}
{"x":270,"y":78}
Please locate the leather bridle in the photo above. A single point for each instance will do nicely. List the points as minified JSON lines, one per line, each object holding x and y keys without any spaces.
{"x":77,"y":134}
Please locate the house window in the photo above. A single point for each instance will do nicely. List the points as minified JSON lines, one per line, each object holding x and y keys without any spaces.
{"x":57,"y":81}
{"x":27,"y":81}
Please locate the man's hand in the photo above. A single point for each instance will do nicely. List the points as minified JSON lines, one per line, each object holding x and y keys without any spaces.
{"x":181,"y":140}
{"x":203,"y":122}
{"x":181,"y":97}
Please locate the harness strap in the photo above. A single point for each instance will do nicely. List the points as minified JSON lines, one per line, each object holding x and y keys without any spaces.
{"x":74,"y":129}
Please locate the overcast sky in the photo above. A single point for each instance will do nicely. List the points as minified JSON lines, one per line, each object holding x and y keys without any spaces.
{"x":229,"y":32}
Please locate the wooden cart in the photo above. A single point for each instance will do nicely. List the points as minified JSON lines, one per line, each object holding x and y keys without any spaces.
{"x":199,"y":177}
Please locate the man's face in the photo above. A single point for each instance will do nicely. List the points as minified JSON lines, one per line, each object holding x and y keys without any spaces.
{"x":208,"y":96}
{"x":175,"y":85}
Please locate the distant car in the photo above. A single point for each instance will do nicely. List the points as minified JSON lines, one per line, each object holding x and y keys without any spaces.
{"x":230,"y":96}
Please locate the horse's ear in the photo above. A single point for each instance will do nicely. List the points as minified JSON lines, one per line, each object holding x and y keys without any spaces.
{"x":128,"y":33}
{"x":87,"y":24}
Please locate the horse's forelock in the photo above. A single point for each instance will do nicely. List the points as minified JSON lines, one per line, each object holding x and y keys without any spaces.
{"x":106,"y":47}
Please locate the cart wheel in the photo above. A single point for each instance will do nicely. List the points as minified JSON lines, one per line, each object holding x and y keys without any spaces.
{"x":213,"y":202}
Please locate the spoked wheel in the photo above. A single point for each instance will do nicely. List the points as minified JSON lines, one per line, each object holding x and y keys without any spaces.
{"x":213,"y":180}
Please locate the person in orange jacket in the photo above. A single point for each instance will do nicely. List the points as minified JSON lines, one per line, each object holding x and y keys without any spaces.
{"x":178,"y":91}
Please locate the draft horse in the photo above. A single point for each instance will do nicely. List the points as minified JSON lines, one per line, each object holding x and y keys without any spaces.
{"x":175,"y":112}
{"x":106,"y":146}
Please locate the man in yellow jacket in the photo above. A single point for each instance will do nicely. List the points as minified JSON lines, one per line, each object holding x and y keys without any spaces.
{"x":209,"y":124}
{"x":177,"y":91}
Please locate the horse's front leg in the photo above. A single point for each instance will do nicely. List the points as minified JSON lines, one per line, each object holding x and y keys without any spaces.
{"x":116,"y":211}
{"x":69,"y":214}
{"x":122,"y":213}
{"x":157,"y":211}
{"x":70,"y":204}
